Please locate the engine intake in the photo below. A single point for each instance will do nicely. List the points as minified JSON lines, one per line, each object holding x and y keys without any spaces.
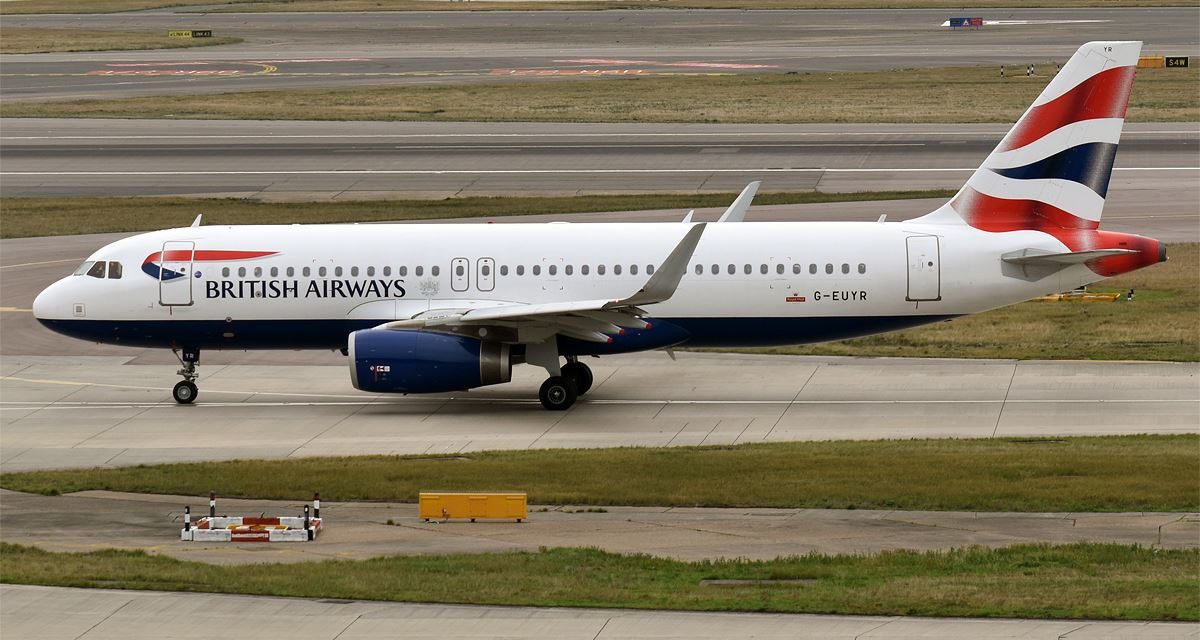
{"x":385,"y":361}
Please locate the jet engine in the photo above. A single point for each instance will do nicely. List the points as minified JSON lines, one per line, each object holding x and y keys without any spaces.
{"x":385,"y":361}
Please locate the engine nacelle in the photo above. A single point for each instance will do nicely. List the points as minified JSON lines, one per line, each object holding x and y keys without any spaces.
{"x":385,"y":361}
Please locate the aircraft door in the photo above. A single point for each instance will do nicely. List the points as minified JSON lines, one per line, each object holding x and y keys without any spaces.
{"x":485,"y":280}
{"x":175,"y":273}
{"x":460,"y":277}
{"x":924,"y":269}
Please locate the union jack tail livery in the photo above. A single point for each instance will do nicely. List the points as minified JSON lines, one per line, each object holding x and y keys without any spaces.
{"x":1051,"y":172}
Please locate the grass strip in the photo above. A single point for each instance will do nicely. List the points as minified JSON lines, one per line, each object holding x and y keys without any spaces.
{"x":1094,"y":581}
{"x":111,"y":6}
{"x":939,"y":95}
{"x":34,"y":40}
{"x":1126,"y":473}
{"x":1162,"y":322}
{"x":37,"y":217}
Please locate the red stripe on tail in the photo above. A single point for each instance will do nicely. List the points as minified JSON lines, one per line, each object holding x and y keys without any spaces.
{"x":1104,"y":95}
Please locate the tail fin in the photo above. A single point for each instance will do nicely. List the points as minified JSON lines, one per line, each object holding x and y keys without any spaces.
{"x":1052,"y":169}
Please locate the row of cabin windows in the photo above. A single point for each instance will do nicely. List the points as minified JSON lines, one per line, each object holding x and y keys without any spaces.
{"x":337,"y":271}
{"x":486,"y":270}
{"x":98,"y":269}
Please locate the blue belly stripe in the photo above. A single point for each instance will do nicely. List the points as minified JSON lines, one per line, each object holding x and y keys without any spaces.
{"x":332,"y":334}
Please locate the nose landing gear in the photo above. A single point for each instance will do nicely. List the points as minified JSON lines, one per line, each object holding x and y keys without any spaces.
{"x":185,"y":391}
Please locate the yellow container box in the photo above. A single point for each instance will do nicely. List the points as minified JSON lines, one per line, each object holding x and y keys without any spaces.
{"x":491,"y":506}
{"x":1152,"y":62}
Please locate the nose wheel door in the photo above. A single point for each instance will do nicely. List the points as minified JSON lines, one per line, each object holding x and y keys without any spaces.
{"x":175,"y":265}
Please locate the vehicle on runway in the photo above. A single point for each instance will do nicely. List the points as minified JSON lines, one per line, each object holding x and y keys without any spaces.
{"x":437,"y":308}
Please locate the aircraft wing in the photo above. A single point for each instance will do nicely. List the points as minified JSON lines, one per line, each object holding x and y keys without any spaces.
{"x":590,"y":320}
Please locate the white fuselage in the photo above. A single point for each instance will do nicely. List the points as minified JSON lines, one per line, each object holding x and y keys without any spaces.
{"x":746,"y":284}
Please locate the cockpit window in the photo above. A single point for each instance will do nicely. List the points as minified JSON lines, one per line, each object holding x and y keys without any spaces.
{"x":97,"y":270}
{"x":83,"y":268}
{"x":114,"y":270}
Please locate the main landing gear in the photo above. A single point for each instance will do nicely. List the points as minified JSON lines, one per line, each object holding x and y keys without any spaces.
{"x":185,"y":391}
{"x":559,"y":392}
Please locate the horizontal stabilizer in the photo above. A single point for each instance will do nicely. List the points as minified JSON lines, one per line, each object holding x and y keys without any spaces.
{"x":1037,"y":256}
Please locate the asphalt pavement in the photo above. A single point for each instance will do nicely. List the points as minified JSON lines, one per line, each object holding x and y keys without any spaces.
{"x":295,"y":50}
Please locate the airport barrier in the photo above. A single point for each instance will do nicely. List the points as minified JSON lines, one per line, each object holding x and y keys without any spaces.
{"x":1151,"y":62}
{"x":490,"y":506}
{"x":1080,"y":297}
{"x":214,"y":528}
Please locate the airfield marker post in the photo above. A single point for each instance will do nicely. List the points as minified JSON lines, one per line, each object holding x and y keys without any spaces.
{"x":212,"y":504}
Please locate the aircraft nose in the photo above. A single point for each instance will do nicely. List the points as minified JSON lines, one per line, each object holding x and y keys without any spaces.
{"x":46,"y":304}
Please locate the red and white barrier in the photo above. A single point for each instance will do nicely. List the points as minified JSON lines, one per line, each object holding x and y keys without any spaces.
{"x":216,"y":528}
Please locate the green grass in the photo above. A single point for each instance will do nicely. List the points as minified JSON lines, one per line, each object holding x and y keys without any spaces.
{"x":941,"y":95}
{"x":1127,"y":473}
{"x":32,"y":40}
{"x":112,"y":6}
{"x":35,"y":217}
{"x":1093,"y":581}
{"x":1161,"y":323}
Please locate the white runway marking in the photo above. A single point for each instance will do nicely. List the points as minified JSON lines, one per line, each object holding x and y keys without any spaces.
{"x":439,"y":172}
{"x":34,"y":264}
{"x":392,"y":401}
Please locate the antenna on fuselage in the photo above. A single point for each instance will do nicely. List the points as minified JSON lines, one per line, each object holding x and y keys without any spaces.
{"x":196,"y":222}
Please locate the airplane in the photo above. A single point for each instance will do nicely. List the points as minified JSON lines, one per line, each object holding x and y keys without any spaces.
{"x":443,"y":308}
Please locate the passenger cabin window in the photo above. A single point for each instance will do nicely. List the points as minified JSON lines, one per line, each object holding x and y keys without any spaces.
{"x":460,"y":270}
{"x":520,"y":269}
{"x":387,"y":271}
{"x":633,"y":269}
{"x":796,"y":269}
{"x":307,"y":272}
{"x":274,"y":272}
{"x":402,"y":271}
{"x":600,"y":269}
{"x":699,"y":269}
{"x":553,"y":270}
{"x":370,"y":271}
{"x":337,"y":271}
{"x":845,"y":268}
{"x":242,"y":272}
{"x":828,"y":268}
{"x":322,"y":271}
{"x":812,"y":268}
{"x":257,"y":272}
{"x":537,"y":269}
{"x":291,"y":271}
{"x":225,"y":272}
{"x":435,"y":270}
{"x":732,"y":269}
{"x":716,"y":268}
{"x":762,"y":268}
{"x":583,"y":270}
{"x":568,"y":269}
{"x":748,"y":269}
{"x":616,"y":269}
{"x":485,"y":270}
{"x":96,"y":270}
{"x":649,"y":269}
{"x":503,"y":269}
{"x":354,"y":272}
{"x":862,"y":268}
